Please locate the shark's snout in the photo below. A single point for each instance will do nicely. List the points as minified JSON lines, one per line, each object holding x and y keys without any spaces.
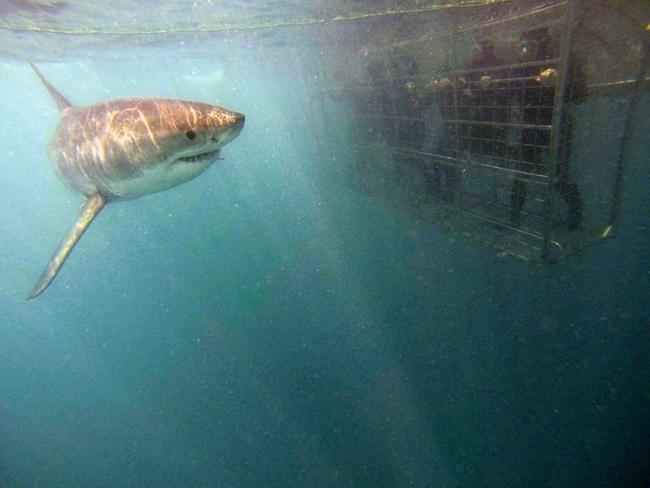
{"x":239,"y":122}
{"x":235,"y":126}
{"x":229,"y":129}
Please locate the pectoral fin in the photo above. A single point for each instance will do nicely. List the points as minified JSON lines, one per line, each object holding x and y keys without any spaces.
{"x":90,"y":210}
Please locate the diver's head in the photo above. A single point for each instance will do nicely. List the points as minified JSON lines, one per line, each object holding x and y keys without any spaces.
{"x":405,"y":66}
{"x":484,"y":44}
{"x":375,"y":69}
{"x":533,"y":44}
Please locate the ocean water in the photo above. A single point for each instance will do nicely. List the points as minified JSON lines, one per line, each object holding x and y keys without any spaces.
{"x":266,"y":325}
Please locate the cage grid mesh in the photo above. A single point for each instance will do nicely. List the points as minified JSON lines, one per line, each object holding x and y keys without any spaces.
{"x":475,"y":122}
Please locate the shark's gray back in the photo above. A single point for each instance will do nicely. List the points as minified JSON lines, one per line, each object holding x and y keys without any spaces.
{"x":110,"y":146}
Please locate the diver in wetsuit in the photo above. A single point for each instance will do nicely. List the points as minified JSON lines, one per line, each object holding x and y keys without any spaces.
{"x":408,"y":105}
{"x":488,"y":100}
{"x":534,"y":102}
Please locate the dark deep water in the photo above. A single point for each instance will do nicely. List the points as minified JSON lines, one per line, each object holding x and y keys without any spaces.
{"x":264,"y":325}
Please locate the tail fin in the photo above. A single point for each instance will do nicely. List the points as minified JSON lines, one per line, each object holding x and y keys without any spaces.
{"x":60,"y":100}
{"x":91,"y":208}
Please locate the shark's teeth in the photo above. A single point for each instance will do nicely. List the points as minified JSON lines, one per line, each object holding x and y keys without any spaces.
{"x":198,"y":157}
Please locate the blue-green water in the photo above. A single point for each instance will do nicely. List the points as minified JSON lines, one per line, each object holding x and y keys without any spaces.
{"x":263,"y":325}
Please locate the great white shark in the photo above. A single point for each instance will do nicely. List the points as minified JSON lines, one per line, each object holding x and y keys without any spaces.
{"x":123,"y":149}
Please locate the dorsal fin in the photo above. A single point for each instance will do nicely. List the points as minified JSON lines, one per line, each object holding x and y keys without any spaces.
{"x":91,"y":208}
{"x":60,"y":100}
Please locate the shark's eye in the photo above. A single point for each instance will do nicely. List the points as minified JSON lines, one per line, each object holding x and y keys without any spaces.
{"x":191,"y":135}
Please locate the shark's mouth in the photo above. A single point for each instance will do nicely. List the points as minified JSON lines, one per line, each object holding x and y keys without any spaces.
{"x":203,"y":157}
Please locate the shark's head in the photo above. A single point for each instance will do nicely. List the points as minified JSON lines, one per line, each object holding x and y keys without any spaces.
{"x":189,"y":134}
{"x":127,"y":148}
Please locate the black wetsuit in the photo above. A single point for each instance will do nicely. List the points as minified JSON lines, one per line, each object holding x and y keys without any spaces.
{"x":407,"y":113}
{"x":488,"y":106}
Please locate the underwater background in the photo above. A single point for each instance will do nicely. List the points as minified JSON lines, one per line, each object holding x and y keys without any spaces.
{"x":265,"y":325}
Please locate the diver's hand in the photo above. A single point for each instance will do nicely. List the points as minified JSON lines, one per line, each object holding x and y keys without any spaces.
{"x":444,"y":83}
{"x":484,"y":82}
{"x":547,"y":77}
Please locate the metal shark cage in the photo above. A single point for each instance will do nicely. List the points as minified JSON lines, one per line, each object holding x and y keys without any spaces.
{"x":506,"y":122}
